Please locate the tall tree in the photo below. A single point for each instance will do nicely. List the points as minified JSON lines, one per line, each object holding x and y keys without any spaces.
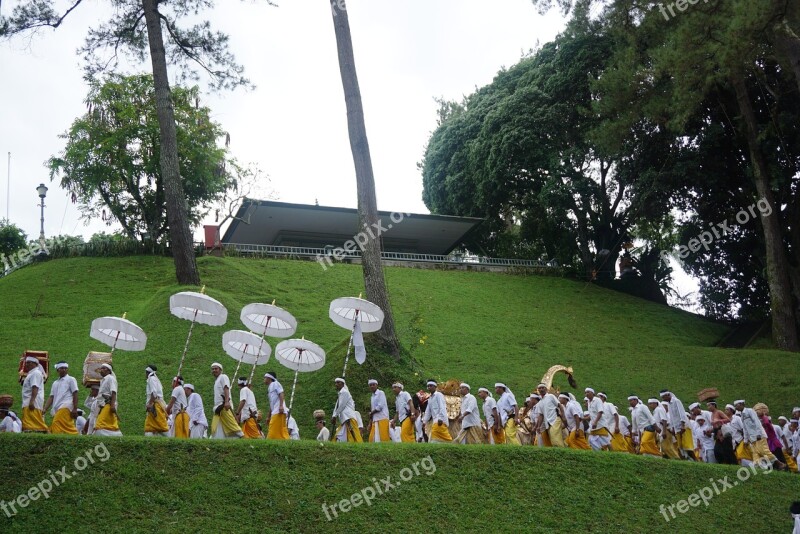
{"x":124,"y":33}
{"x":374,"y":280}
{"x":111,"y":161}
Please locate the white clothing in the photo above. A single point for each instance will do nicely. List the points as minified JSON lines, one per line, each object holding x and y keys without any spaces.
{"x":274,"y":393}
{"x":677,"y":415}
{"x":34,"y":379}
{"x":736,"y":428}
{"x":197,"y":416}
{"x":437,"y":408}
{"x":246,"y":395}
{"x":596,"y":406}
{"x":488,"y":411}
{"x":294,"y":431}
{"x":572,"y":409}
{"x":345,"y":408}
{"x":220,"y":384}
{"x":752,"y":428}
{"x":469,"y":404}
{"x":80,"y":422}
{"x":401,"y":406}
{"x":505,"y":406}
{"x":154,"y":388}
{"x":11,"y":423}
{"x":108,"y":386}
{"x":324,"y":434}
{"x":378,"y":402}
{"x":608,"y":421}
{"x":359,"y":421}
{"x":61,"y":390}
{"x":641,"y":418}
{"x":548,"y":407}
{"x":179,"y":394}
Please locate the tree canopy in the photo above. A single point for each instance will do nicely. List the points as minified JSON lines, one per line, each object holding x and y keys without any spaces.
{"x":111,"y":160}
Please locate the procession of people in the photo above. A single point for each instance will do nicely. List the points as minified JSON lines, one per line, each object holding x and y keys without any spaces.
{"x":658,"y":427}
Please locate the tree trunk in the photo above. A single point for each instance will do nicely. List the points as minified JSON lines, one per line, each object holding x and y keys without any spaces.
{"x":787,"y":44}
{"x":784,"y":329}
{"x":179,"y":231}
{"x":374,"y":281}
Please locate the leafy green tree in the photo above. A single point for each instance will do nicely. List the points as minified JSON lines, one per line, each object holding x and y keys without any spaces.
{"x":12,"y":238}
{"x":138,"y":28}
{"x":112,"y":156}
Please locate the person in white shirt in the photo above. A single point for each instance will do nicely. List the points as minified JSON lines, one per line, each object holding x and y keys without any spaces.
{"x":705,"y":437}
{"x":345,"y":412}
{"x":80,"y":422}
{"x":644,"y":427}
{"x":294,"y":430}
{"x":437,"y":415}
{"x":680,"y":424}
{"x":494,"y":429}
{"x":223,"y":424}
{"x":756,"y":437}
{"x":198,"y":423}
{"x":63,"y":400}
{"x":247,"y":411}
{"x":93,"y":408}
{"x":743,"y":454}
{"x":573,"y":413}
{"x":324,"y":433}
{"x":155,"y":422}
{"x":378,"y":414}
{"x":526,"y":431}
{"x":669,"y":441}
{"x":278,"y":424}
{"x":405,"y":414}
{"x":470,"y":418}
{"x":107,"y":422}
{"x":33,"y":397}
{"x":178,"y":418}
{"x":509,"y":416}
{"x":599,"y":436}
{"x":550,"y":420}
{"x":9,"y":422}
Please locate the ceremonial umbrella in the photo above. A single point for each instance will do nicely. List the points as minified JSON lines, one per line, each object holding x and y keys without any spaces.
{"x":300,"y":356}
{"x":357,"y":315}
{"x":245,"y":347}
{"x":118,"y":333}
{"x":268,"y":320}
{"x":197,"y":308}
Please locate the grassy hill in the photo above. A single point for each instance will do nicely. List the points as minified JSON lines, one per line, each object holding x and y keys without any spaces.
{"x":477,"y":327}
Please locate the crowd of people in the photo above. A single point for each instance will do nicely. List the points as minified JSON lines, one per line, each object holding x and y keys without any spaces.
{"x":659,"y":427}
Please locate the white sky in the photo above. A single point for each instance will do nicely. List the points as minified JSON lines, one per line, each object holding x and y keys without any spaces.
{"x":293,"y":125}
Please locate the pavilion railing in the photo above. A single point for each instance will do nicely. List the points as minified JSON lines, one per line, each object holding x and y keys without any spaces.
{"x":330,"y":254}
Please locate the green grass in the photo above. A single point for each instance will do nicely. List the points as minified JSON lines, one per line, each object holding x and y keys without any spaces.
{"x":160,"y":485}
{"x":476,"y":327}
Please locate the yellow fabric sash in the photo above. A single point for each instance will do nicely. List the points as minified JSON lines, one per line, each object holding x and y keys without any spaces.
{"x":63,"y":423}
{"x":407,"y":434}
{"x":511,"y":432}
{"x":181,"y":425}
{"x":441,"y":433}
{"x":574,"y":441}
{"x":278,"y":427}
{"x":383,"y":428}
{"x":157,"y":423}
{"x":107,"y":420}
{"x":686,"y":440}
{"x":648,"y":444}
{"x":33,"y":421}
{"x":229,"y":425}
{"x":250,"y":429}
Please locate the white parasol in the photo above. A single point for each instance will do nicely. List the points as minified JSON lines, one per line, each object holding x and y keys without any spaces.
{"x":267,"y":320}
{"x":357,"y":315}
{"x":118,"y":333}
{"x":300,"y":356}
{"x":197,"y":308}
{"x":245,"y":347}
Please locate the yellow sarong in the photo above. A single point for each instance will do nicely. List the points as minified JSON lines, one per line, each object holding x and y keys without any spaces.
{"x":669,"y":447}
{"x":686,"y":440}
{"x":511,"y":432}
{"x":574,"y":441}
{"x":407,"y":434}
{"x":761,"y":451}
{"x":791,"y":464}
{"x":33,"y":421}
{"x":278,"y":427}
{"x":497,"y":437}
{"x":743,"y":452}
{"x":353,"y":434}
{"x":181,"y":425}
{"x":648,"y":444}
{"x":63,"y":423}
{"x":440,"y":433}
{"x":156,"y":423}
{"x":250,"y":429}
{"x":229,"y":425}
{"x":383,"y":429}
{"x":554,"y":434}
{"x":107,"y":420}
{"x":618,"y":443}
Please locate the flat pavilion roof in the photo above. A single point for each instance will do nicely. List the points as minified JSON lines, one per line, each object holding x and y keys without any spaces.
{"x":302,"y":225}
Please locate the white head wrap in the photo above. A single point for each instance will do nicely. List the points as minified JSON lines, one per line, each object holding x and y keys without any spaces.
{"x":340,"y":380}
{"x":653,"y":401}
{"x":270,"y":375}
{"x":431,"y":383}
{"x":190,"y":386}
{"x":588,"y":390}
{"x":465,"y":385}
{"x":740,"y":401}
{"x":372,"y":381}
{"x":484,"y":390}
{"x":500,"y":385}
{"x":694,"y":405}
{"x":215,"y":364}
{"x":397,"y":385}
{"x":61,"y":365}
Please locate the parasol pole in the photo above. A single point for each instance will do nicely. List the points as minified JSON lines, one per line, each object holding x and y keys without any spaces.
{"x":186,"y":346}
{"x":236,"y":372}
{"x":263,"y":335}
{"x":114,"y":346}
{"x":350,"y":344}
{"x":291,"y":400}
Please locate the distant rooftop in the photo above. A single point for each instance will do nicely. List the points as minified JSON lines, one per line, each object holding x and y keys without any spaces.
{"x":303,"y":225}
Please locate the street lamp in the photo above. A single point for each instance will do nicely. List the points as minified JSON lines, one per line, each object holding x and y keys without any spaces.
{"x":42,"y":190}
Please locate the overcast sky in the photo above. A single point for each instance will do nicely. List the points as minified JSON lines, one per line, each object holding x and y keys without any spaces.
{"x":293,"y":125}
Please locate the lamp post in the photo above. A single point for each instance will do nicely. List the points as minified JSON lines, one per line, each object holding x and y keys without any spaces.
{"x":42,"y":190}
